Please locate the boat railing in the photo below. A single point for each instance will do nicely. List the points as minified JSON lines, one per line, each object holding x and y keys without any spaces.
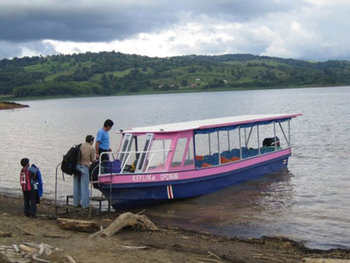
{"x":233,"y":155}
{"x":142,"y":163}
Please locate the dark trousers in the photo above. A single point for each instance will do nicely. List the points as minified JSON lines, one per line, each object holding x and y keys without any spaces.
{"x":30,"y":200}
{"x":104,"y":159}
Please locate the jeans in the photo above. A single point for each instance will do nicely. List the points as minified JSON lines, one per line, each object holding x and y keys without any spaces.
{"x":30,"y":201}
{"x":81,"y":186}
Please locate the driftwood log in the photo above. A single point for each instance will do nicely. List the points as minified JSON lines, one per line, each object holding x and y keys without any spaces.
{"x":325,"y":260}
{"x":129,"y":219}
{"x":27,"y":232}
{"x":5,"y":234}
{"x":26,"y":253}
{"x":70,"y":259}
{"x":77,"y":225}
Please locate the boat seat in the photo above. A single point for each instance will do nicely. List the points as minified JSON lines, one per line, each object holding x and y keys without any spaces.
{"x":225,"y":160}
{"x":112,"y":166}
{"x":253,"y":152}
{"x":212,"y":159}
{"x":235,"y":153}
{"x":267,"y":149}
{"x":226,"y":154}
{"x":199,"y":163}
{"x":245,"y":152}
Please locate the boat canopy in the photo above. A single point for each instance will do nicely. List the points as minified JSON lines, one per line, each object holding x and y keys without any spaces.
{"x":210,"y":125}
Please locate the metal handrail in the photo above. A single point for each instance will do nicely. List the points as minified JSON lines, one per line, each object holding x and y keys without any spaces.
{"x":129,"y":154}
{"x":56,"y":185}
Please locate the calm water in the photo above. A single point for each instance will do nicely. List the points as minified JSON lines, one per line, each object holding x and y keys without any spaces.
{"x":310,"y":203}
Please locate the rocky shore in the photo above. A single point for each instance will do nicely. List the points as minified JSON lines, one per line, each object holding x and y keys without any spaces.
{"x":168,"y":244}
{"x":8,"y":105}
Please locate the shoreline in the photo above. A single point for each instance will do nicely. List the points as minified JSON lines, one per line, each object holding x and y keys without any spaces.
{"x":13,"y":98}
{"x":170,"y":244}
{"x":9,"y":105}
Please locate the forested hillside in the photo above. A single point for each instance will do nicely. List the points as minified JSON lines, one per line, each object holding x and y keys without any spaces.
{"x":108,"y":73}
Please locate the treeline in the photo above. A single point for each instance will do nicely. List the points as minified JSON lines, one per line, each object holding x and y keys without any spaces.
{"x":109,"y":73}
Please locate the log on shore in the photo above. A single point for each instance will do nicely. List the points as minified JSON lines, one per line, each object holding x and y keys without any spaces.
{"x":129,"y":219}
{"x":77,"y":225}
{"x":5,"y":234}
{"x":325,"y":260}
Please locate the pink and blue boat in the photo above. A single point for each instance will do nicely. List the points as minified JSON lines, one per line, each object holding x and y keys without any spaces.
{"x":181,"y":160}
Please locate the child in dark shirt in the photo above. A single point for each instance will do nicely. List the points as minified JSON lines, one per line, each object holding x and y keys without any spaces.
{"x":29,"y":185}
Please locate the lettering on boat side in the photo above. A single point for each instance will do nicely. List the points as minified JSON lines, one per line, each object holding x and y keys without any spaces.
{"x":169,"y":176}
{"x":143,"y":178}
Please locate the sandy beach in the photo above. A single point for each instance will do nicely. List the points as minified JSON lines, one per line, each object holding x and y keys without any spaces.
{"x":169,"y":244}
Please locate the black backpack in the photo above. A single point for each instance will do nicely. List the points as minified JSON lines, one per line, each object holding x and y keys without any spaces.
{"x":70,"y":160}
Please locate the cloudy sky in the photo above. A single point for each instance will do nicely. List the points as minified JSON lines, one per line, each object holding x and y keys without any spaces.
{"x":301,"y":29}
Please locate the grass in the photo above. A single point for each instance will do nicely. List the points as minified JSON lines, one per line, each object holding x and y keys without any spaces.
{"x":242,"y":72}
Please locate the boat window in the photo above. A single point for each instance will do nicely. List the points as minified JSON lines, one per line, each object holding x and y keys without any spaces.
{"x":233,"y":137}
{"x":225,"y":146}
{"x":125,"y":149}
{"x":141,"y":160}
{"x":251,"y":141}
{"x":207,"y":150}
{"x":189,"y":155}
{"x":272,"y":138}
{"x":179,"y":152}
{"x":158,"y":154}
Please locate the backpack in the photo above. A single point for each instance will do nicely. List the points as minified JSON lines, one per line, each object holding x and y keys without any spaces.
{"x":33,"y":170}
{"x":70,"y":160}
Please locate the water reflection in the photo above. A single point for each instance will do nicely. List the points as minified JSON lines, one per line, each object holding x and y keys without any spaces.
{"x":241,"y":210}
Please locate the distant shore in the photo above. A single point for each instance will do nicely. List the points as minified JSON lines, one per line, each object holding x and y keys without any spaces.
{"x":169,"y":244}
{"x":8,"y":105}
{"x":169,"y":92}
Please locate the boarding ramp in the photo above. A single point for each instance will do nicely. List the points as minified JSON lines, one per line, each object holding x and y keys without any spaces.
{"x":98,"y":201}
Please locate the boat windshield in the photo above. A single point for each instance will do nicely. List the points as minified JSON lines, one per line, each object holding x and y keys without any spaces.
{"x":144,"y":153}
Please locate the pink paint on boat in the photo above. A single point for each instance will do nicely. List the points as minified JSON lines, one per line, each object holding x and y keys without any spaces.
{"x":190,"y":174}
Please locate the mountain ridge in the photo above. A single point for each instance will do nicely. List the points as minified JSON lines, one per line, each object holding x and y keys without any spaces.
{"x":112,"y":73}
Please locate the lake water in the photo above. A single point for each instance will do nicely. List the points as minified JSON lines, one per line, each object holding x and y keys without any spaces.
{"x":310,"y":203}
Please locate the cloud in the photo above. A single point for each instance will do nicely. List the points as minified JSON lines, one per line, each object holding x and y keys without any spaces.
{"x":32,"y":48}
{"x":77,"y":20}
{"x":192,"y":38}
{"x":317,"y":30}
{"x":302,"y":29}
{"x":91,"y":21}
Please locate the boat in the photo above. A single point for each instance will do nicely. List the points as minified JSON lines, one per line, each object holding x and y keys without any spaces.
{"x":175,"y":161}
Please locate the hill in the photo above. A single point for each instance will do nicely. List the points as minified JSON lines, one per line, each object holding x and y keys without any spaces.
{"x":108,"y":73}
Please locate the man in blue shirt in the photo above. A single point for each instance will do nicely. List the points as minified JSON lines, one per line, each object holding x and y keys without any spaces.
{"x":102,"y":140}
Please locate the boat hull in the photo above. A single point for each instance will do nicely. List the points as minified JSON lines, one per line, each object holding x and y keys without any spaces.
{"x":124,"y":196}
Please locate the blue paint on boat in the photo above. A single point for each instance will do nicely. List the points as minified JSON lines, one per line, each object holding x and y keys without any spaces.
{"x":126,"y":196}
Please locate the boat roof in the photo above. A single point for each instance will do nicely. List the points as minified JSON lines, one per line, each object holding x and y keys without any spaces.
{"x":211,"y":123}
